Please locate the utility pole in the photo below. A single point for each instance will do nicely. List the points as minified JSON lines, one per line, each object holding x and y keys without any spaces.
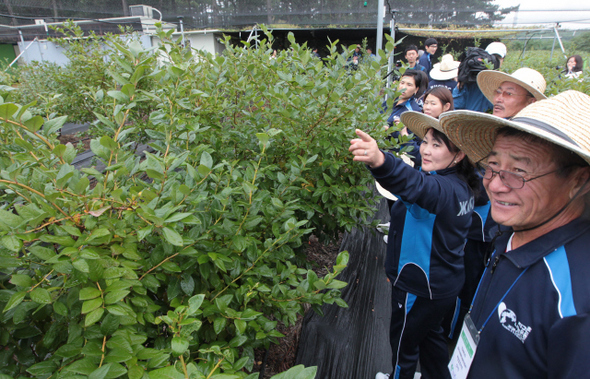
{"x":391,"y":65}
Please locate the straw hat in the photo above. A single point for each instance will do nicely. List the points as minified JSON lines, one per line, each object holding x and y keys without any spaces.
{"x":419,"y":123}
{"x":531,"y":80}
{"x":385,"y":193}
{"x":563,"y":120}
{"x":447,"y":69}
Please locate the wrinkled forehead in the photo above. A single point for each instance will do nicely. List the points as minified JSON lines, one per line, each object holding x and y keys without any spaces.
{"x":522,"y":147}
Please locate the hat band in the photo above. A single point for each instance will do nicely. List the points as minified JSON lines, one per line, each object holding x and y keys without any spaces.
{"x":545,"y":127}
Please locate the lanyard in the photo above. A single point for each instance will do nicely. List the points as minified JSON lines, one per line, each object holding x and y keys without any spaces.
{"x":499,"y":302}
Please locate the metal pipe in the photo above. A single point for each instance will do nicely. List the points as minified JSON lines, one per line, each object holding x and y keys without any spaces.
{"x":380,"y":15}
{"x":22,"y":52}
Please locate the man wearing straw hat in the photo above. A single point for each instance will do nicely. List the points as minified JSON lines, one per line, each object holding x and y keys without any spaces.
{"x":509,"y":94}
{"x":531,"y":314}
{"x":444,"y":73}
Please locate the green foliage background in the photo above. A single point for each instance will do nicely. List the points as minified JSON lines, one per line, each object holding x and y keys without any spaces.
{"x":181,"y":262}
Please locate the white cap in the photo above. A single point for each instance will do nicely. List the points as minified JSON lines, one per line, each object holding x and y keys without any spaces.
{"x":497,"y":48}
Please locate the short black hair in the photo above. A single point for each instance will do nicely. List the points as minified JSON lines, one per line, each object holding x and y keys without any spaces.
{"x":430,"y":41}
{"x":409,"y":48}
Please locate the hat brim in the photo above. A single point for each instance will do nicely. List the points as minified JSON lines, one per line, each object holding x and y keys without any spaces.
{"x":437,"y":74}
{"x":419,"y":123}
{"x":490,"y":80}
{"x":475,"y":133}
{"x":385,"y":193}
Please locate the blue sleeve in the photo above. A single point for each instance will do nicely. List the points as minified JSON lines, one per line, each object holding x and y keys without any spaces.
{"x":569,"y":348}
{"x":430,"y":192}
{"x":459,"y":98}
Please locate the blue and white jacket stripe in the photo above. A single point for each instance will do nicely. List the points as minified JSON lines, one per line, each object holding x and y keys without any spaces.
{"x":541,"y":329}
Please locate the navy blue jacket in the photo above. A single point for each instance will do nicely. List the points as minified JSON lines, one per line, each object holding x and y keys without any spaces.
{"x":450,"y":84}
{"x":417,"y":67}
{"x":471,"y":98}
{"x":425,"y":60}
{"x":428,"y":228}
{"x":541,"y":328}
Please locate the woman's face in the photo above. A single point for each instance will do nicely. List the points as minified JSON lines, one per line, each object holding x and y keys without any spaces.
{"x":571,"y":63}
{"x":434,"y":107}
{"x":435,"y":154}
{"x":408,"y":84}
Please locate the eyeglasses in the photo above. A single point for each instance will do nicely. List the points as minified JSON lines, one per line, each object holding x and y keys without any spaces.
{"x":507,"y":94}
{"x":509,"y":179}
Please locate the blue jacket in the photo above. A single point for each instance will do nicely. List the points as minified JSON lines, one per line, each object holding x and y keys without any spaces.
{"x":471,"y":98}
{"x":541,"y":328}
{"x":417,"y":67}
{"x":425,"y":61}
{"x":428,"y":228}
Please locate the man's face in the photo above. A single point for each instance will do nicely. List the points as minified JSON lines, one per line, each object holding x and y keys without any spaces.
{"x":432,"y":48}
{"x":509,"y":99}
{"x":411,"y":56}
{"x":539,"y":199}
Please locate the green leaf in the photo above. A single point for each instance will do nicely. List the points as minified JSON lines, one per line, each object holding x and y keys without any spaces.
{"x":81,"y":265}
{"x":168,"y":372}
{"x":194,"y":303}
{"x":93,"y":317}
{"x":68,"y":351}
{"x":206,"y":160}
{"x":172,"y":236}
{"x":34,"y":123}
{"x":337,"y":284}
{"x":118,"y":95}
{"x":298,"y":372}
{"x":262,"y":137}
{"x":179,"y":345}
{"x":240,"y":326}
{"x":10,"y":219}
{"x":21,"y":280}
{"x":40,"y":296}
{"x":15,"y":300}
{"x":116,"y":296}
{"x":42,"y":369}
{"x":7,"y":110}
{"x":100,"y":373}
{"x":90,"y":305}
{"x":219,"y":324}
{"x":238,"y":341}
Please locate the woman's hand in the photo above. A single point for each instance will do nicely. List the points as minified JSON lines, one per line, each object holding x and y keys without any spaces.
{"x":365,"y":150}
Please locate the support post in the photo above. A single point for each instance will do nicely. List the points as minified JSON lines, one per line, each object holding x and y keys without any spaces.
{"x":380,"y":15}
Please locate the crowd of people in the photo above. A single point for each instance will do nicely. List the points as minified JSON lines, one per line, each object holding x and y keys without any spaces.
{"x":488,"y":225}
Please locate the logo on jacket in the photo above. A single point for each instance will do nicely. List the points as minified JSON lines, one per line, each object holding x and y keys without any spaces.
{"x":466,"y":206}
{"x":509,"y":322}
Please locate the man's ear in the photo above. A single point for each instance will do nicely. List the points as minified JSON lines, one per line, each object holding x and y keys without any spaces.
{"x":531,"y":100}
{"x":580,"y":182}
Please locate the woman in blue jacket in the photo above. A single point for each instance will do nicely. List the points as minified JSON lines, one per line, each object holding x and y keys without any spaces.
{"x":425,"y":250}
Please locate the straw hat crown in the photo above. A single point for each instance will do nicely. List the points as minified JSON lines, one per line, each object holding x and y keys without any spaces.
{"x":445,"y":70}
{"x":531,"y":80}
{"x":563,"y":120}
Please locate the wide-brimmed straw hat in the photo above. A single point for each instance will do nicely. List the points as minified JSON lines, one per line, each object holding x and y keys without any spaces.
{"x":563,"y":120}
{"x":447,"y":69}
{"x":419,"y":123}
{"x":531,"y":80}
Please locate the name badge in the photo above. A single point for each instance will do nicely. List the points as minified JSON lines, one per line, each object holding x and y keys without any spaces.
{"x":465,"y":349}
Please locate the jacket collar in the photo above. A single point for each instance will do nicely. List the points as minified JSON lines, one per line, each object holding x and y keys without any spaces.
{"x":534,"y":251}
{"x":445,"y":171}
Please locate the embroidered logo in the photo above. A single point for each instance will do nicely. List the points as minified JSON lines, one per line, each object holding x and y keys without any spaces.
{"x":509,"y":322}
{"x":466,"y":206}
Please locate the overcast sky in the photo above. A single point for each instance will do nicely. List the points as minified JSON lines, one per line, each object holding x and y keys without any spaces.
{"x":571,"y":14}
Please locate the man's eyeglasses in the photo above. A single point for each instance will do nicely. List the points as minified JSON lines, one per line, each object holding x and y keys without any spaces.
{"x":508,"y":94}
{"x":509,"y":179}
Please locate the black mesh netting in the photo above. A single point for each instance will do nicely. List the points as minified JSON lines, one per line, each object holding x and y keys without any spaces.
{"x":237,"y":14}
